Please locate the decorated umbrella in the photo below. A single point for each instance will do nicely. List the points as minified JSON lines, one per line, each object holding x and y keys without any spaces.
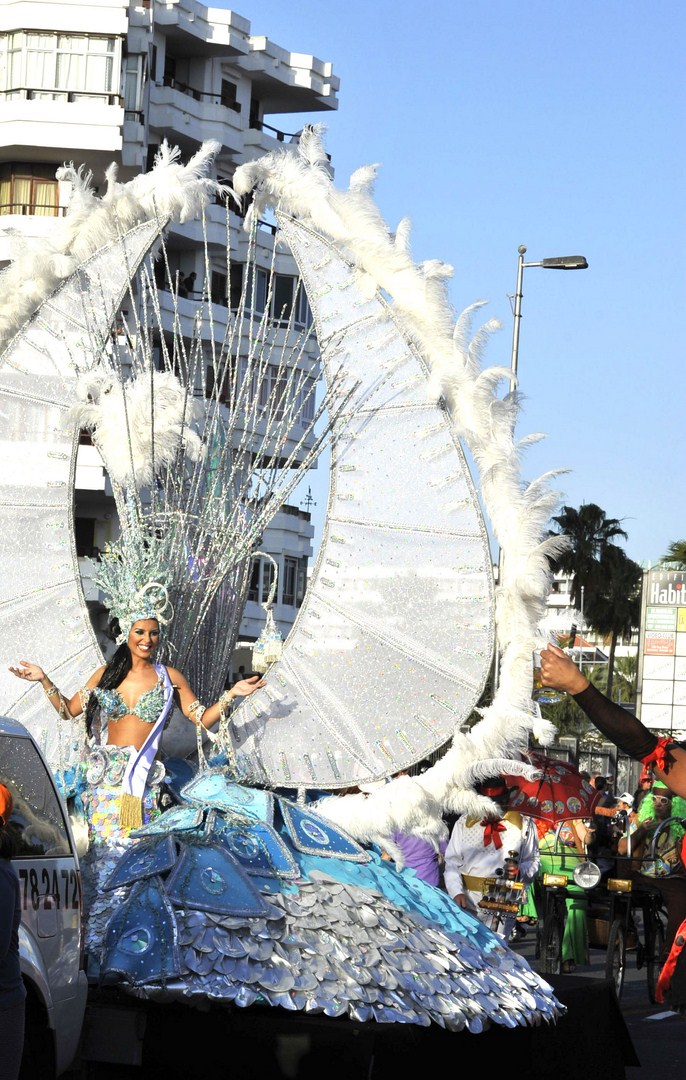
{"x":558,"y":792}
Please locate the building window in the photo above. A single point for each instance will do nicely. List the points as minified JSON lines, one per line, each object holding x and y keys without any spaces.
{"x":223,"y":387}
{"x":254,"y":289}
{"x":134,"y":81}
{"x":282,"y":298}
{"x":219,"y":293}
{"x":301,"y":586}
{"x":29,"y":189}
{"x":303,"y":315}
{"x":53,"y":67}
{"x":254,"y":586}
{"x":267,"y":579}
{"x":84,"y":532}
{"x":229,"y":93}
{"x":273,"y":390}
{"x":261,"y":580}
{"x":290,"y":581}
{"x":307,"y":395}
{"x":289,"y":300}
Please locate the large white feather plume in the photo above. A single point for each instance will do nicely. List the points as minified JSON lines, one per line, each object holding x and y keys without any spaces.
{"x":139,"y":427}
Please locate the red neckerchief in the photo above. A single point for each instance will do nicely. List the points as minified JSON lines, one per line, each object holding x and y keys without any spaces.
{"x":491,"y":831}
{"x":657,"y":756}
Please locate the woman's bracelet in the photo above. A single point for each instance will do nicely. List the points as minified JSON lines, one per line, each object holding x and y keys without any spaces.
{"x":51,"y":692}
{"x":196,"y":712}
{"x":225,"y":702}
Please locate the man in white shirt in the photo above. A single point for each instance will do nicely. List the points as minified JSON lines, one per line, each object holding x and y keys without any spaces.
{"x":480,"y":849}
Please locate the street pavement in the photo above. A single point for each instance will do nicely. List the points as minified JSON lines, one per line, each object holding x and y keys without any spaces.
{"x":657,"y":1034}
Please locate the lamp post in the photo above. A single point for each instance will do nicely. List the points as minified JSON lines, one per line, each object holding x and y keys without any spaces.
{"x":559,"y":262}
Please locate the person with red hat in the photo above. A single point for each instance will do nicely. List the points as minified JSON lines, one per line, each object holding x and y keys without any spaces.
{"x":481,"y":848}
{"x":645,"y":782}
{"x":12,"y":991}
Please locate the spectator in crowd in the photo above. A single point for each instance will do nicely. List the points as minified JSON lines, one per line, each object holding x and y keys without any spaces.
{"x":481,"y":848}
{"x":645,"y":781}
{"x":562,"y":847}
{"x":601,"y":841}
{"x":187,"y":284}
{"x":661,"y":865}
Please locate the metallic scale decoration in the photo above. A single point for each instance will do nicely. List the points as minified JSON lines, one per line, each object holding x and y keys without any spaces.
{"x":343,"y":935}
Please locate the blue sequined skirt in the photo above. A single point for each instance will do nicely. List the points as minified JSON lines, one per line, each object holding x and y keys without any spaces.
{"x":241,"y":896}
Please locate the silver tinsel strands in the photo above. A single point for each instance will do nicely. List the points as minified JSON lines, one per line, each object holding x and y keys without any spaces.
{"x":197,"y":494}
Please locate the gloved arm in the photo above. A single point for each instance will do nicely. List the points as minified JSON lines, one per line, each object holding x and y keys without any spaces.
{"x":620,"y":727}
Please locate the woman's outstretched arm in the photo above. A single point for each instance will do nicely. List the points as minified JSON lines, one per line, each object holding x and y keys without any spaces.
{"x":31,"y":672}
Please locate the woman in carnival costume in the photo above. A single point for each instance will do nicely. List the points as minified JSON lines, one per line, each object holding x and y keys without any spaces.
{"x":129,"y":701}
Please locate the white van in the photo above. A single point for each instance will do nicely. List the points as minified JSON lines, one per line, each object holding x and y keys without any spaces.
{"x":51,"y":933}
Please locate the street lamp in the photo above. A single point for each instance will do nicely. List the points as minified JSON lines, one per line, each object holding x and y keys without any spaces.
{"x":558,"y":262}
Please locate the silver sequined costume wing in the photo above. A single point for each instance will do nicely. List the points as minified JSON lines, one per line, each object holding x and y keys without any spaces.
{"x":42,"y":604}
{"x":394,"y":641}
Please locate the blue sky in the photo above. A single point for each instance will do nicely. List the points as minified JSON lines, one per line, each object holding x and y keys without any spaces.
{"x":558,"y":125}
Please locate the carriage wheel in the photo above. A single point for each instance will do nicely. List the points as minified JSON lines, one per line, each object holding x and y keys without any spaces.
{"x":551,"y":945}
{"x":615,"y":963}
{"x":655,"y":941}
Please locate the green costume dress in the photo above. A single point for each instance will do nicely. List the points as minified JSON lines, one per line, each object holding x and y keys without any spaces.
{"x":562,"y":859}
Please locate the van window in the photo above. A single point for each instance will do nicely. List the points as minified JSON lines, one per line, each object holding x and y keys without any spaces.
{"x":37,"y":824}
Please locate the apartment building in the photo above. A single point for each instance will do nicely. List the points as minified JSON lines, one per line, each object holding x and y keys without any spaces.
{"x":105,"y":81}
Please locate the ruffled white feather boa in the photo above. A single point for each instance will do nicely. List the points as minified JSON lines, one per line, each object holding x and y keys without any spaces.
{"x":297,"y":180}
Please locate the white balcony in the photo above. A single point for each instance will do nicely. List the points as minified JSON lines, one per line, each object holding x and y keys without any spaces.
{"x":69,"y":16}
{"x":192,"y":114}
{"x":195,"y":28}
{"x":83,"y":123}
{"x":289,"y":82}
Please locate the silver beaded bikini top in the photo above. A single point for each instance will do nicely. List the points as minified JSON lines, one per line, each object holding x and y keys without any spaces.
{"x":147,"y":708}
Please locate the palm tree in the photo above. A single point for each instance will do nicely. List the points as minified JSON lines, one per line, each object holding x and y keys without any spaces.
{"x":590,"y":532}
{"x":614,"y":605}
{"x":676,"y":553}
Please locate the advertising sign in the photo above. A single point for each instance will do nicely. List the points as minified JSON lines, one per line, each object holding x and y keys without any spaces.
{"x":662,"y":651}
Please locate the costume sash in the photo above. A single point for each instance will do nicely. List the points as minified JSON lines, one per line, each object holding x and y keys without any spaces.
{"x":140,"y":763}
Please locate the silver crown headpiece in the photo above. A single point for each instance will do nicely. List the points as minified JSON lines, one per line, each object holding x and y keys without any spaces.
{"x":134,"y":575}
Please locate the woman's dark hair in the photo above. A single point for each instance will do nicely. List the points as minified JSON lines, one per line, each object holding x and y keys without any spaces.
{"x":118,"y":667}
